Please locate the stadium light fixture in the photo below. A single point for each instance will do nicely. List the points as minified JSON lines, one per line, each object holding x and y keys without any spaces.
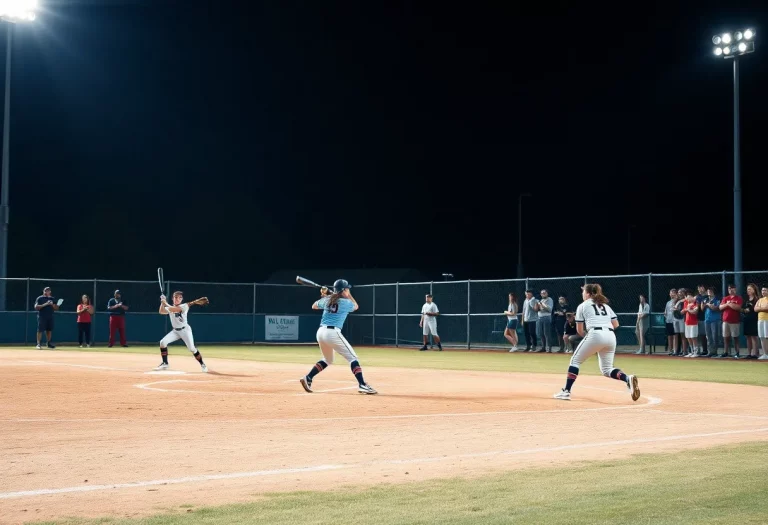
{"x":18,"y":10}
{"x":12,"y":12}
{"x":734,"y":46}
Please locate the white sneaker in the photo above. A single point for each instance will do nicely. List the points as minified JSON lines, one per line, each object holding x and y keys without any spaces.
{"x":204,"y":368}
{"x":88,"y":345}
{"x":763,"y":357}
{"x":513,"y":349}
{"x":639,"y":352}
{"x":366,"y":389}
{"x":162,"y":366}
{"x":563,"y":394}
{"x":633,"y":387}
{"x":81,"y":346}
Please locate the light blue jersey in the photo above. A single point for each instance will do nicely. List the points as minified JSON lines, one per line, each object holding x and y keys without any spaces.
{"x":336,"y":314}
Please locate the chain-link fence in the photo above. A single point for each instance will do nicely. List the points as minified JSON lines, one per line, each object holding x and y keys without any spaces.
{"x":471,"y":312}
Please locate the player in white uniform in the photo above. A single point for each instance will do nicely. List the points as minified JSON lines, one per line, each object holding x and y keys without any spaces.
{"x":181,"y":330}
{"x":600,"y":322}
{"x":335,"y":307}
{"x":428,"y":322}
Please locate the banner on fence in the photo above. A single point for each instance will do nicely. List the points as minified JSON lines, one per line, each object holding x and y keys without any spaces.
{"x":281,"y":327}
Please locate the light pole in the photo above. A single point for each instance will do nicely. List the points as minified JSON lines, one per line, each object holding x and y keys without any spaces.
{"x":520,"y":234}
{"x":447,"y":276}
{"x":629,"y":248}
{"x":733,"y":46}
{"x":11,"y":12}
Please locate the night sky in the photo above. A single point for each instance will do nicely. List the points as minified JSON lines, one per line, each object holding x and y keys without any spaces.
{"x":226,"y":140}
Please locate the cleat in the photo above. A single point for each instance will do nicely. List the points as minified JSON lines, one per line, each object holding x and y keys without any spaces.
{"x":423,"y":349}
{"x":162,"y":366}
{"x":366,"y":389}
{"x":38,"y":347}
{"x":306,"y":383}
{"x":51,"y":346}
{"x":633,"y":387}
{"x":204,"y":368}
{"x":563,"y":394}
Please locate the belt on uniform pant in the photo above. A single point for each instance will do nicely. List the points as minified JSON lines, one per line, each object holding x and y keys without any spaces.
{"x":182,"y":328}
{"x":330,"y":327}
{"x":601,"y":328}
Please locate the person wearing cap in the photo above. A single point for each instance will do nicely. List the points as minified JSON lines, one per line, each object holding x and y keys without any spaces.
{"x":116,"y":310}
{"x":45,"y":306}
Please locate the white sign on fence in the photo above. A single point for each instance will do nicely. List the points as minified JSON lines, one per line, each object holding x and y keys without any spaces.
{"x":281,"y":327}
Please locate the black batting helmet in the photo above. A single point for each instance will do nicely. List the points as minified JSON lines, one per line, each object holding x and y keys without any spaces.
{"x":340,"y":285}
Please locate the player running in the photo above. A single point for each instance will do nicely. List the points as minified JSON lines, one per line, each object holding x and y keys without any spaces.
{"x":181,"y":330}
{"x":600,"y":339}
{"x":335,"y":306}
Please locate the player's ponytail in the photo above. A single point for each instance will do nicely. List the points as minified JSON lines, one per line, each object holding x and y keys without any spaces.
{"x":596,"y":292}
{"x":333,"y":299}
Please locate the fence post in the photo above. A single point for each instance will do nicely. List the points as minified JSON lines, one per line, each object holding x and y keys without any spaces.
{"x":373,"y":322}
{"x":253,"y":314}
{"x":652,"y":346}
{"x":468,"y":317}
{"x":724,"y":286}
{"x":26,"y":316}
{"x":397,"y":311}
{"x":527,"y":285}
{"x":93,"y":321}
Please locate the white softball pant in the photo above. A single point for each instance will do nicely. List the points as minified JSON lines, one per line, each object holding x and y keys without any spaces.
{"x":429,"y":327}
{"x":331,"y":340}
{"x":185,"y":334}
{"x":600,"y":342}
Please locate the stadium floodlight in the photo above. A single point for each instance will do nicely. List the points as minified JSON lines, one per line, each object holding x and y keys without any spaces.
{"x":11,"y":11}
{"x":18,"y":10}
{"x":743,"y":44}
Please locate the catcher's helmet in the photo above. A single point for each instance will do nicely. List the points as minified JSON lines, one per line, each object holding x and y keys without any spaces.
{"x":339,"y":285}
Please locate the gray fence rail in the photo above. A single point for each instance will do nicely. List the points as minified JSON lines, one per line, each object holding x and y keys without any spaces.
{"x":470,"y":311}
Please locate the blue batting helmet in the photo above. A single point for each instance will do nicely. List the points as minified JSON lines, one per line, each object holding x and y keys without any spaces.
{"x":339,"y":285}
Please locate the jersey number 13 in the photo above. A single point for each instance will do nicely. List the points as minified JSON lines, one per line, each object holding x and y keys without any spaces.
{"x":601,"y":311}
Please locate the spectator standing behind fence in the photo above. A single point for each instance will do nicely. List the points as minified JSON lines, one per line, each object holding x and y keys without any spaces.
{"x":750,"y":321}
{"x":643,"y":322}
{"x":712,"y":321}
{"x":117,"y":310}
{"x":669,"y":322}
{"x":680,"y":322}
{"x":530,"y":321}
{"x":45,"y":306}
{"x":84,"y":313}
{"x":510,"y":332}
{"x":730,"y":307}
{"x":762,"y":322}
{"x":558,"y":321}
{"x":691,"y":309}
{"x":544,"y":323}
{"x":700,"y":301}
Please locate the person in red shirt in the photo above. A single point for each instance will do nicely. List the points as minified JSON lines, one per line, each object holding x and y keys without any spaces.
{"x":730,"y":306}
{"x":691,"y":310}
{"x":84,"y":313}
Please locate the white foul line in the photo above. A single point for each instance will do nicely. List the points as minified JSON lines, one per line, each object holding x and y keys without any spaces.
{"x":320,"y":468}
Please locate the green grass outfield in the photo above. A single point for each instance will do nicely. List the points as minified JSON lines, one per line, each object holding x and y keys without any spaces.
{"x":747,"y":372}
{"x":723,"y":485}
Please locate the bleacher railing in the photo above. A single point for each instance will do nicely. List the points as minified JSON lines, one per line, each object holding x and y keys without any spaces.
{"x":470,"y":311}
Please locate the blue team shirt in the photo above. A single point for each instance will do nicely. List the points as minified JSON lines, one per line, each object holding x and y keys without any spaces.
{"x":711,"y":316}
{"x":336,"y":314}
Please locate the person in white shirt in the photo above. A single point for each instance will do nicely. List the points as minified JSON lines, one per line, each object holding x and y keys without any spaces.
{"x":669,"y":322}
{"x":510,"y":332}
{"x":428,"y":322}
{"x":529,"y":320}
{"x":596,"y":322}
{"x":643,"y":322}
{"x":544,"y":321}
{"x":181,"y":330}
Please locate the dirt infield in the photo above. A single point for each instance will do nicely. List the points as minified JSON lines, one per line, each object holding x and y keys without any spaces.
{"x":97,"y":434}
